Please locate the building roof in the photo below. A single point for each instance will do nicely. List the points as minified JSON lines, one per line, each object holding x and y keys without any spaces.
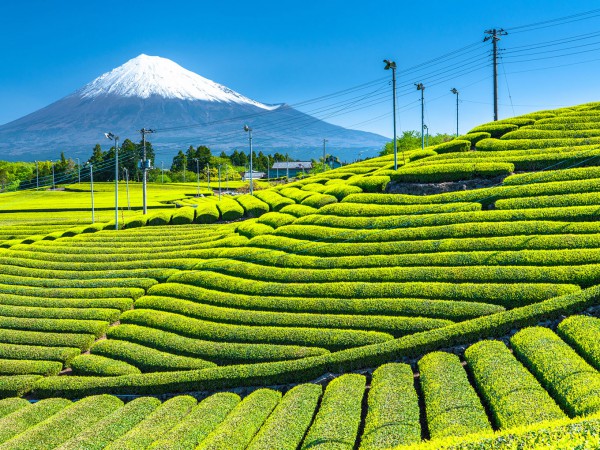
{"x":255,"y":174}
{"x":293,"y":165}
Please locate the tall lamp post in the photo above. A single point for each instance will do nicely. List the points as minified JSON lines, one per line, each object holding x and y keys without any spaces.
{"x":391,"y":65}
{"x":421,"y":87}
{"x":145,"y":166}
{"x":249,"y":131}
{"x":197,"y":176}
{"x":112,"y":137}
{"x":426,"y":135}
{"x":455,"y":91}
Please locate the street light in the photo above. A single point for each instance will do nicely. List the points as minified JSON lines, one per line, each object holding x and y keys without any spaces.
{"x":421,"y":87}
{"x":91,"y":185}
{"x":455,"y":91}
{"x":427,"y":136}
{"x":126,"y":172}
{"x":219,"y":182}
{"x":112,"y":137}
{"x":391,"y":65}
{"x":78,"y":171}
{"x":198,"y":176}
{"x":249,"y":131}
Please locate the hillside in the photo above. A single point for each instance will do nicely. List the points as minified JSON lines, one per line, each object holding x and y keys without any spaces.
{"x":333,"y":313}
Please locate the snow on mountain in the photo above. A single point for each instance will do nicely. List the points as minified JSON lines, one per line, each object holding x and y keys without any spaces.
{"x":145,"y":76}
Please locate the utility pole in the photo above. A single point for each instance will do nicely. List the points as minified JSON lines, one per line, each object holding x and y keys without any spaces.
{"x":219,"y":182}
{"x":184,"y":166}
{"x":287,"y":167}
{"x":116,"y":139}
{"x":197,"y":176}
{"x":324,"y":142}
{"x":421,"y":88}
{"x":208,"y":174}
{"x":53,"y":183}
{"x":37,"y":176}
{"x":162,"y":172}
{"x":494,"y":34}
{"x":426,"y":135}
{"x":455,"y":91}
{"x":392,"y":65}
{"x":145,"y":166}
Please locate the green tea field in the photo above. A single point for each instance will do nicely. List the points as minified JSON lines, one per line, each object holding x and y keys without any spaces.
{"x":452,"y":303}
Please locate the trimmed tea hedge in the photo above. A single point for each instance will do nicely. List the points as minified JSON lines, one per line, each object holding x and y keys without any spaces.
{"x":514,"y":395}
{"x":273,"y":199}
{"x":573,"y":382}
{"x":393,"y":414}
{"x":229,"y":209}
{"x":452,"y":405}
{"x":583,"y":333}
{"x":339,"y":415}
{"x":451,"y":172}
{"x":101,"y":366}
{"x":453,"y":146}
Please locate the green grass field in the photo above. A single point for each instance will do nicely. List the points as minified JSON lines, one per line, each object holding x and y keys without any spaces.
{"x":459,"y":319}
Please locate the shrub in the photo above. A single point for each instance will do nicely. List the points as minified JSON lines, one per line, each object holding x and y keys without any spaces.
{"x":368,"y":210}
{"x":314,"y":187}
{"x":25,"y":418}
{"x":276,"y":219}
{"x":514,"y":395}
{"x":451,"y":172}
{"x":393,"y":414}
{"x":340,"y":191}
{"x":183,"y":216}
{"x":199,"y":423}
{"x":206,"y":212}
{"x":230,"y":209}
{"x":339,"y":415}
{"x":159,"y":219}
{"x":452,"y":405}
{"x":474,"y":138}
{"x":10,"y":405}
{"x":251,"y":228}
{"x":583,"y":333}
{"x":298,"y":210}
{"x":318,"y":200}
{"x":371,"y":184}
{"x":155,"y":424}
{"x":112,"y":426}
{"x":273,"y":199}
{"x":495,"y":130}
{"x":295,"y":194}
{"x":253,"y":206}
{"x":81,"y":341}
{"x":101,"y":366}
{"x":453,"y":146}
{"x":200,"y":329}
{"x":415,"y":156}
{"x":287,"y":424}
{"x":573,"y":382}
{"x":29,"y":367}
{"x":109,"y":315}
{"x":72,"y":420}
{"x":240,"y":426}
{"x":219,"y":352}
{"x":579,"y":173}
{"x":523,"y":144}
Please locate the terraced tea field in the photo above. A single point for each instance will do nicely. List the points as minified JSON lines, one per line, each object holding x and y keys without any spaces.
{"x":326,"y":312}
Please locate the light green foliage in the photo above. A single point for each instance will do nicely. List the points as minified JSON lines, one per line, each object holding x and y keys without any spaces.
{"x":319,"y":200}
{"x":495,"y":129}
{"x":276,"y":219}
{"x":287,"y":425}
{"x":155,"y":424}
{"x":451,"y":172}
{"x":102,"y":366}
{"x":112,"y":426}
{"x":207,"y":212}
{"x":146,"y":359}
{"x":253,"y":206}
{"x":10,"y":405}
{"x":38,"y":352}
{"x":393,"y":414}
{"x":475,"y":137}
{"x":340,"y":191}
{"x":251,"y":228}
{"x":455,"y":145}
{"x":229,"y":209}
{"x":514,"y":395}
{"x":21,"y":420}
{"x":71,"y":421}
{"x":183,"y":216}
{"x":244,"y":421}
{"x":298,"y":210}
{"x":583,"y":333}
{"x":199,"y":423}
{"x":371,"y":183}
{"x":273,"y":199}
{"x":579,"y":173}
{"x":452,"y":405}
{"x":24,"y":367}
{"x":336,"y":423}
{"x":572,"y":382}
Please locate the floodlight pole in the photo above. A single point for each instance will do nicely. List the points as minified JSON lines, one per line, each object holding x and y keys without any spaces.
{"x":37,"y":176}
{"x":219,"y":181}
{"x":92,"y":187}
{"x":197,"y":176}
{"x":78,"y":171}
{"x":455,"y":91}
{"x":421,"y":88}
{"x":249,"y":130}
{"x":127,"y":185}
{"x":427,"y":135}
{"x":116,"y":139}
{"x":392,"y":65}
{"x":208,"y":174}
{"x":324,"y":142}
{"x":53,"y":183}
{"x":145,"y":131}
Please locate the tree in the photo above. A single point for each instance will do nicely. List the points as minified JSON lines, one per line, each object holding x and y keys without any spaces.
{"x":411,"y":140}
{"x":178,"y":162}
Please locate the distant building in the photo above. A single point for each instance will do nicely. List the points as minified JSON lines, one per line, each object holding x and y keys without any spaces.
{"x":255,"y":175}
{"x":333,"y":162}
{"x":281,"y":169}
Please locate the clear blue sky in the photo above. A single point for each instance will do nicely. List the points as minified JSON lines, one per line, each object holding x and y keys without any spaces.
{"x":275,"y":51}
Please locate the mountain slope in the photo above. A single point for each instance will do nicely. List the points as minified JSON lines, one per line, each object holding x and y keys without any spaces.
{"x":183,"y":107}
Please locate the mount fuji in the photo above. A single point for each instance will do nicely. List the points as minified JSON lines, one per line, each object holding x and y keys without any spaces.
{"x":183,"y":108}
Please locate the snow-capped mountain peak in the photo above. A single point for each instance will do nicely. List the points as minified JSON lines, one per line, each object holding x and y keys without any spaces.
{"x":146,"y":76}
